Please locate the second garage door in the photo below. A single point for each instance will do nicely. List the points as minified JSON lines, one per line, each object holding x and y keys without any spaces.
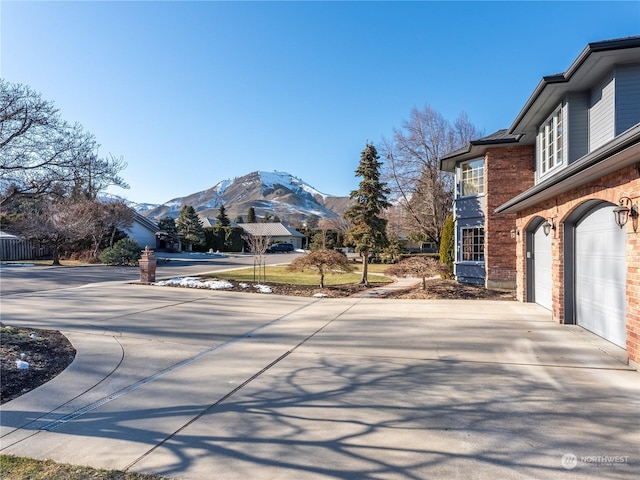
{"x":600,"y":275}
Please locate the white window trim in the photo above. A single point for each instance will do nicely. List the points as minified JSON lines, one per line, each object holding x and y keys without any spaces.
{"x":462,"y":194}
{"x":554,"y":124}
{"x":462,"y":259}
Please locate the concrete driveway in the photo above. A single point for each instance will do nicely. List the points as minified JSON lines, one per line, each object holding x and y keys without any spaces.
{"x":195,"y":384}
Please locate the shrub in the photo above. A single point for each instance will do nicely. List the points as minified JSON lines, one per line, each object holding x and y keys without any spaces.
{"x":322,"y":261}
{"x":447,"y":246}
{"x":123,"y":252}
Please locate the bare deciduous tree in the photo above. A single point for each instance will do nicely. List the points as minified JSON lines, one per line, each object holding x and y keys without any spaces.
{"x":54,"y":224}
{"x":258,"y":245}
{"x":41,"y":154}
{"x":412,"y":168}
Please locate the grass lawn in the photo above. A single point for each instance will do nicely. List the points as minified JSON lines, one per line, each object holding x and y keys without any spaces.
{"x":280,"y":274}
{"x":20,"y":468}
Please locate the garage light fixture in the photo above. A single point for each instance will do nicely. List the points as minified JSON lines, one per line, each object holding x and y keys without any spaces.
{"x":548,"y":226}
{"x":624,"y":211}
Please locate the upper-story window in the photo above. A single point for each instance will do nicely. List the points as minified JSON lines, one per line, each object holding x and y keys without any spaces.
{"x":551,"y":142}
{"x":472,"y":177}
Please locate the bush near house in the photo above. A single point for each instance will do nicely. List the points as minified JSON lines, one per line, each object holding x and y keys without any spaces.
{"x":446,"y":246}
{"x":123,"y":252}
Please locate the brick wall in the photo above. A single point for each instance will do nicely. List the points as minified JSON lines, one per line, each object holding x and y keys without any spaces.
{"x":508,"y":172}
{"x":624,"y":182}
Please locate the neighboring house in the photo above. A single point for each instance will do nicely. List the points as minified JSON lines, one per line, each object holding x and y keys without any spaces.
{"x":554,"y":189}
{"x":143,"y":231}
{"x":277,"y":232}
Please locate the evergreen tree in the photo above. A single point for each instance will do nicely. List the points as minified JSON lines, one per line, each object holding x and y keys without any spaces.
{"x":447,"y":245}
{"x":251,"y":215}
{"x":222,"y":220}
{"x":368,"y":228}
{"x":190,"y":227}
{"x":168,"y":225}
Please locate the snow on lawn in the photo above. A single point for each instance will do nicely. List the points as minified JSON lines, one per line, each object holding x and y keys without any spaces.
{"x":193,"y":282}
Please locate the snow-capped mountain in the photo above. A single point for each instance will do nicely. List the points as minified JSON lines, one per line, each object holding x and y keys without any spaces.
{"x":269,"y":193}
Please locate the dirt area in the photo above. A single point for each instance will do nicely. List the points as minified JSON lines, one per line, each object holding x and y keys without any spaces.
{"x":49,"y":352}
{"x":29,"y":358}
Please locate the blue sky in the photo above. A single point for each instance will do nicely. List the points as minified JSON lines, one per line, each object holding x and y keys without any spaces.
{"x":192,"y":93}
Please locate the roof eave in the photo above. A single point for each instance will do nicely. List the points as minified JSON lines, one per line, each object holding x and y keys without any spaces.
{"x":474,"y":149}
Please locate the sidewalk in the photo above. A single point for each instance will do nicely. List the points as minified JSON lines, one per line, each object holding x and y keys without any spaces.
{"x":398,"y":284}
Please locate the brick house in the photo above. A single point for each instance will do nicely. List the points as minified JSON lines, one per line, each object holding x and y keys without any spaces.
{"x":554,"y":186}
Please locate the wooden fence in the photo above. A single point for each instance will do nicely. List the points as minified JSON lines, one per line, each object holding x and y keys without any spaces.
{"x":18,"y":249}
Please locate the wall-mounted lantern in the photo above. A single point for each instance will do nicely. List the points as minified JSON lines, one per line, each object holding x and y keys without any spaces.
{"x":514,"y":232}
{"x":549,"y":225}
{"x":625,"y":210}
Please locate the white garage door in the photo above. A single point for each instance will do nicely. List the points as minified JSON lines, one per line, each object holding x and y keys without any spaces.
{"x":600,"y":275}
{"x":542,"y":268}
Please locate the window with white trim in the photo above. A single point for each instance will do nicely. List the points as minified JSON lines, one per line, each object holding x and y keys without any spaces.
{"x":472,"y":177}
{"x":551,"y":142}
{"x":472,"y":244}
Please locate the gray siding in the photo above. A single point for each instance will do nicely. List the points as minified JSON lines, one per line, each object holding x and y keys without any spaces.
{"x":627,"y":97}
{"x":601,"y":115}
{"x":578,"y":125}
{"x":469,"y":212}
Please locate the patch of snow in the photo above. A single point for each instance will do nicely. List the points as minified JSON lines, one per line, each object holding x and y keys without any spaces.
{"x":18,"y":264}
{"x":192,"y":282}
{"x":287,"y":180}
{"x":263,"y":288}
{"x":22,"y":365}
{"x":244,"y":285}
{"x":320,"y":295}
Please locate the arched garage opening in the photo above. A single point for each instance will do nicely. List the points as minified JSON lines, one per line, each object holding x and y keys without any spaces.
{"x":596,"y":271}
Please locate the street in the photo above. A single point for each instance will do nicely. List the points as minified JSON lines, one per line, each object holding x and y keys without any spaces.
{"x":20,"y":279}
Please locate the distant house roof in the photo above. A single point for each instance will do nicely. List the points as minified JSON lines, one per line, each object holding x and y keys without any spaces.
{"x":145,"y":222}
{"x":7,"y":235}
{"x":270,"y":230}
{"x":476,"y":148}
{"x":212,"y":222}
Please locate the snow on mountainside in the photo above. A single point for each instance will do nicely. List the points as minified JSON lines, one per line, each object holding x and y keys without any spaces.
{"x":269,"y":193}
{"x":138,"y":207}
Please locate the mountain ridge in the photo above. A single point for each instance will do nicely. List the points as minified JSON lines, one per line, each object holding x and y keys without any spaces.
{"x":279,"y":194}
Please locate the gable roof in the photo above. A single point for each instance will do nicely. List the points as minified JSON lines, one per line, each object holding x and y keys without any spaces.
{"x":145,"y":222}
{"x":590,"y":66}
{"x":270,"y":230}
